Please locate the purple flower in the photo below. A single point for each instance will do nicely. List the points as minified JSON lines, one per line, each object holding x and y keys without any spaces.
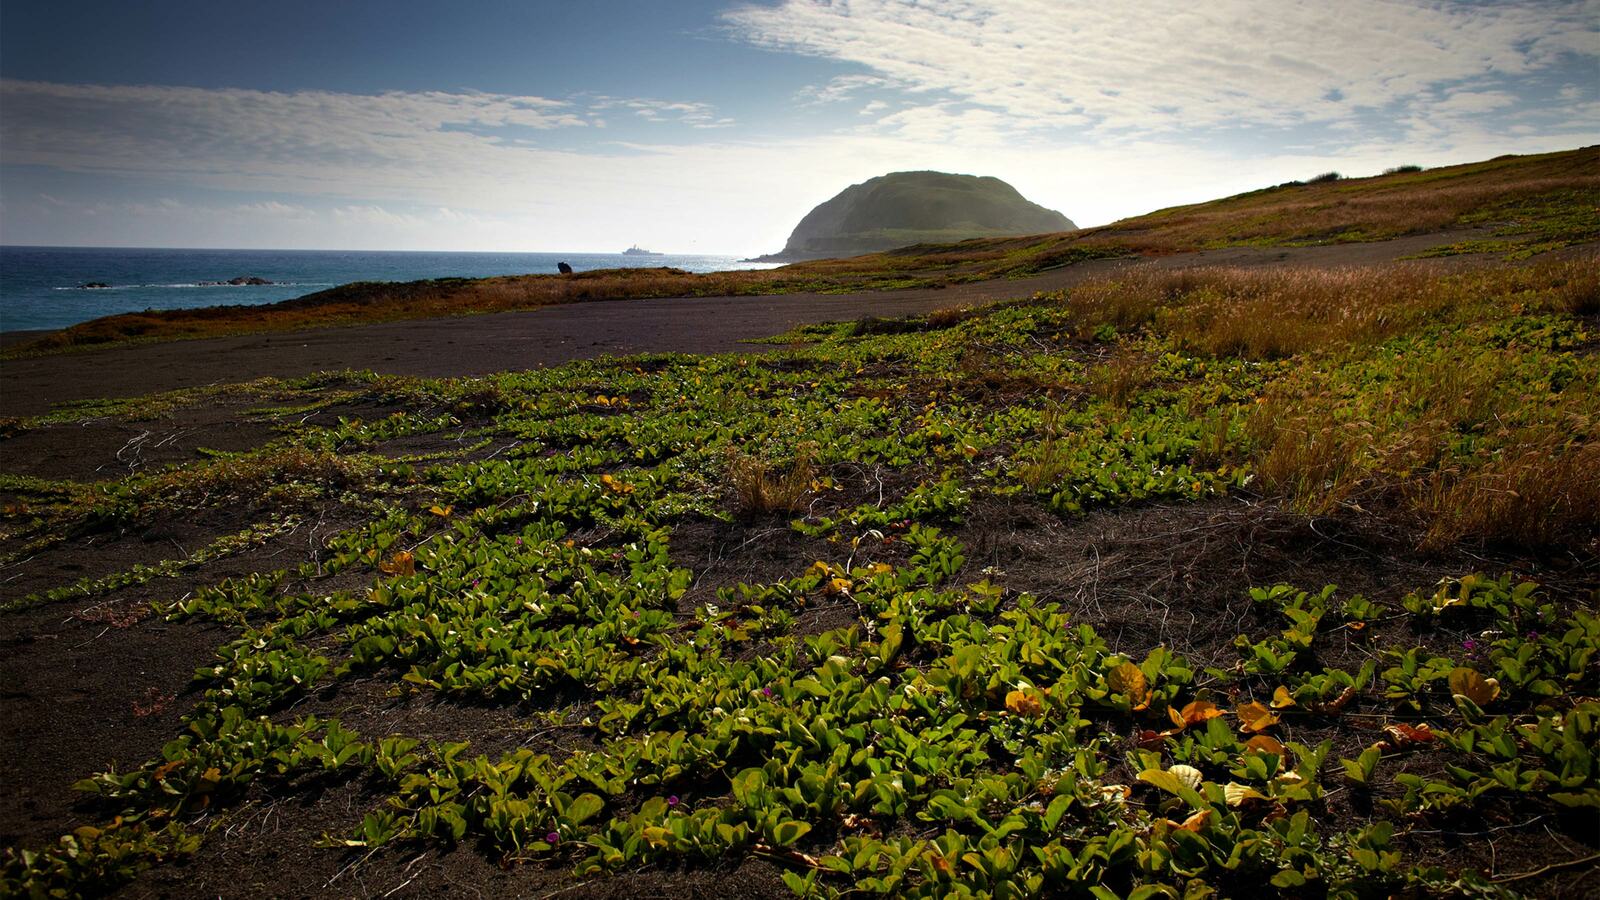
{"x":552,"y":838}
{"x":766,"y":692}
{"x":672,"y":800}
{"x":519,"y":542}
{"x":1533,"y":635}
{"x":475,"y":581}
{"x":1469,"y":645}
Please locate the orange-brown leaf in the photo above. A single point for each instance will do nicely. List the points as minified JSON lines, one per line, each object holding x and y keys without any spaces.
{"x":1404,"y":735}
{"x":1024,"y":703}
{"x":402,"y":563}
{"x":1254,"y":717}
{"x":1337,"y":703}
{"x":1130,"y":682}
{"x":1194,"y":713}
{"x":1152,"y":740}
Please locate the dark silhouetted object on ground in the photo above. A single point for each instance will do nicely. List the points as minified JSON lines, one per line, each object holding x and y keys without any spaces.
{"x":563,"y":268}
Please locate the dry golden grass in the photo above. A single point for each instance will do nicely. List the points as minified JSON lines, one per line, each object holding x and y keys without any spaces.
{"x":1543,"y":492}
{"x":1303,"y":453}
{"x":1275,"y":313}
{"x":1454,"y":433}
{"x":1367,"y":208}
{"x":760,"y":489}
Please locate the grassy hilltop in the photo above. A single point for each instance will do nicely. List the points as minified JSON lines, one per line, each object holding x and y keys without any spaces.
{"x":1176,"y":584}
{"x":916,"y":207}
{"x":1529,"y":204}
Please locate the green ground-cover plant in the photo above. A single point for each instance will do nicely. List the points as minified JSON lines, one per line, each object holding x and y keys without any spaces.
{"x":878,"y":712}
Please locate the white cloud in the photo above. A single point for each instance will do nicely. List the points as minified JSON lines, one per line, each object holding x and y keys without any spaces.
{"x":839,"y":88}
{"x":1168,"y":66}
{"x":697,"y":115}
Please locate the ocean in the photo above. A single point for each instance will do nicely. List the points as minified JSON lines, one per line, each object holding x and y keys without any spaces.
{"x":42,"y":287}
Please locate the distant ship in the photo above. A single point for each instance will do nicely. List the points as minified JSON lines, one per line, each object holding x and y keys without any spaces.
{"x":637,"y":250}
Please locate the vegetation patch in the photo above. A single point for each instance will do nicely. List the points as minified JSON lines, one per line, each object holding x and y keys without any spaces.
{"x":759,"y":608}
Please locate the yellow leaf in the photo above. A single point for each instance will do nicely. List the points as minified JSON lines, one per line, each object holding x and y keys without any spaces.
{"x":1281,"y":698}
{"x":441,"y":511}
{"x":1129,"y":681}
{"x":1024,"y":703}
{"x":1195,"y":822}
{"x":1263,"y":743}
{"x":1189,"y":775}
{"x":1470,"y":684}
{"x":1255,"y":717}
{"x":1164,"y":780}
{"x":1239,"y":794}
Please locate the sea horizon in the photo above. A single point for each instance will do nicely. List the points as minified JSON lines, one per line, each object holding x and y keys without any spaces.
{"x":45,"y":287}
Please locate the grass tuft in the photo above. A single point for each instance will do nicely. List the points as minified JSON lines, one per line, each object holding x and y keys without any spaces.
{"x":761,"y":489}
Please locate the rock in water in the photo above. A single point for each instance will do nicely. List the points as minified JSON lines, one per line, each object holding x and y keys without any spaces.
{"x":904,"y":208}
{"x":563,"y":268}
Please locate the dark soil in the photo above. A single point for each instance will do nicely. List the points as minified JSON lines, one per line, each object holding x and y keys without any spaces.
{"x":105,"y":449}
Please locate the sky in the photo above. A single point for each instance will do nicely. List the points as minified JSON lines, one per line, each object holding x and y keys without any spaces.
{"x":712,"y":127}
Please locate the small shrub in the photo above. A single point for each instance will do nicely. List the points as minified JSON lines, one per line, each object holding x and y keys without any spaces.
{"x":1402,"y":170}
{"x":1324,"y":178}
{"x":1576,"y":288}
{"x":1052,"y":461}
{"x":949,"y":316}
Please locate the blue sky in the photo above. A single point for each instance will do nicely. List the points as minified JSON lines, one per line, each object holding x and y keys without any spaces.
{"x":713,"y":126}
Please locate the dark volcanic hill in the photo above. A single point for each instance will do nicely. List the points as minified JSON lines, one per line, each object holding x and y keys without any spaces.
{"x":904,"y":208}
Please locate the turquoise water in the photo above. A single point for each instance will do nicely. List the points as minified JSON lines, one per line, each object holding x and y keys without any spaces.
{"x":41,"y":287}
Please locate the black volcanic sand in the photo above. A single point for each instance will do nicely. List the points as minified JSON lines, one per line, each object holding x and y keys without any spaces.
{"x":88,"y":684}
